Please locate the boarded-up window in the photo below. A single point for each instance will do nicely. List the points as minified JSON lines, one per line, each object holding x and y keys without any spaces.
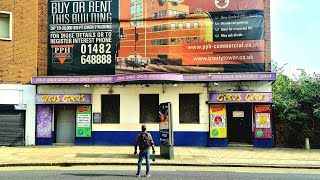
{"x":188,"y":108}
{"x":110,"y":111}
{"x":149,"y":108}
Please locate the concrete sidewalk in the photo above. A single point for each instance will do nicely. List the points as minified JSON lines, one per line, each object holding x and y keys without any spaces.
{"x":183,"y":156}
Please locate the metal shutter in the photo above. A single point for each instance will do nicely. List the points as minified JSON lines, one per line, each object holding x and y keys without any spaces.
{"x":12,"y":128}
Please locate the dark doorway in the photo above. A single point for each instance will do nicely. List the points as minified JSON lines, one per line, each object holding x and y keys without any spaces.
{"x":239,"y":123}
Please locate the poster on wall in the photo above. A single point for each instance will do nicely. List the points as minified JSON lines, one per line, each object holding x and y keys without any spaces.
{"x":83,"y":122}
{"x":188,"y":36}
{"x":44,"y":121}
{"x":218,"y":121}
{"x":83,"y":37}
{"x":106,"y":37}
{"x":263,"y":126}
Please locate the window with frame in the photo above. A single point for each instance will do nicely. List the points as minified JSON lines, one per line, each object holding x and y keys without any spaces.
{"x":188,"y":25}
{"x":164,"y":13}
{"x":188,"y":39}
{"x":173,"y":40}
{"x":138,"y":8}
{"x":180,"y":26}
{"x":159,"y":42}
{"x":164,"y":42}
{"x":132,"y":22}
{"x":173,"y":26}
{"x":155,"y":15}
{"x":149,"y":108}
{"x":195,"y":25}
{"x":189,"y":109}
{"x":110,"y":109}
{"x":5,"y":25}
{"x":164,"y":27}
{"x":133,"y":10}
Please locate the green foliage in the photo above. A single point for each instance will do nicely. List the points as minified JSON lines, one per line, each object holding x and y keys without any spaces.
{"x":297,"y":101}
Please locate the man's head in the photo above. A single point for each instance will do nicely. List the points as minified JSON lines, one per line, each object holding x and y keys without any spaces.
{"x":144,"y":128}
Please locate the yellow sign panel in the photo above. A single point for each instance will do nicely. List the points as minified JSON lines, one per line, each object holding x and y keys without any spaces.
{"x":218,"y":121}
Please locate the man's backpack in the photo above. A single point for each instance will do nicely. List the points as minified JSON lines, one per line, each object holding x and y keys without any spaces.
{"x":144,"y":142}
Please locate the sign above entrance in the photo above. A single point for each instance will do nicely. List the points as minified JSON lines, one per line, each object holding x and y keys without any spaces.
{"x":236,"y":97}
{"x":105,"y":79}
{"x":63,"y":99}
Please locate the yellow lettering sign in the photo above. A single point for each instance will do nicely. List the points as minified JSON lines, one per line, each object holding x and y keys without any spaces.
{"x":50,"y":98}
{"x":73,"y":98}
{"x":255,"y":97}
{"x":229,"y":97}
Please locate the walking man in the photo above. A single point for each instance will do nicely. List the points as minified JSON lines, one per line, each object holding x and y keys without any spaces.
{"x":145,"y":141}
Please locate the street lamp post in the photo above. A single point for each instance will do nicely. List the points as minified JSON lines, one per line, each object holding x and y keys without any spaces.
{"x":135,"y":42}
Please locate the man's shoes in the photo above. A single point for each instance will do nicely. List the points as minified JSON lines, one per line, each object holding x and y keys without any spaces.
{"x":137,"y":175}
{"x":148,"y":175}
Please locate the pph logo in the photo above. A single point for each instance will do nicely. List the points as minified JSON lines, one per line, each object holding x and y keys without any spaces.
{"x":62,"y":53}
{"x":222,"y":4}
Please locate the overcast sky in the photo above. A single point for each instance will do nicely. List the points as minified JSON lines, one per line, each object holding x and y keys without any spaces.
{"x":295,"y":34}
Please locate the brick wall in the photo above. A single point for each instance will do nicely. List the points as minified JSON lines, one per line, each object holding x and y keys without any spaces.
{"x":267,"y":35}
{"x":43,"y":38}
{"x":18,"y":57}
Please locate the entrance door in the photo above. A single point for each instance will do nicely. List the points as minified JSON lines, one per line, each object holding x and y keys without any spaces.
{"x":65,"y":124}
{"x":239,"y":123}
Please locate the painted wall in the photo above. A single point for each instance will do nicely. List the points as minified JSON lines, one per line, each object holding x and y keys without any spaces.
{"x":129,"y":126}
{"x":26,"y":95}
{"x":129,"y":106}
{"x":255,"y":86}
{"x":129,"y":103}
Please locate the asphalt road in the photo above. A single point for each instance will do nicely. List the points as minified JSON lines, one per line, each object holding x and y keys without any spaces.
{"x":164,"y":172}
